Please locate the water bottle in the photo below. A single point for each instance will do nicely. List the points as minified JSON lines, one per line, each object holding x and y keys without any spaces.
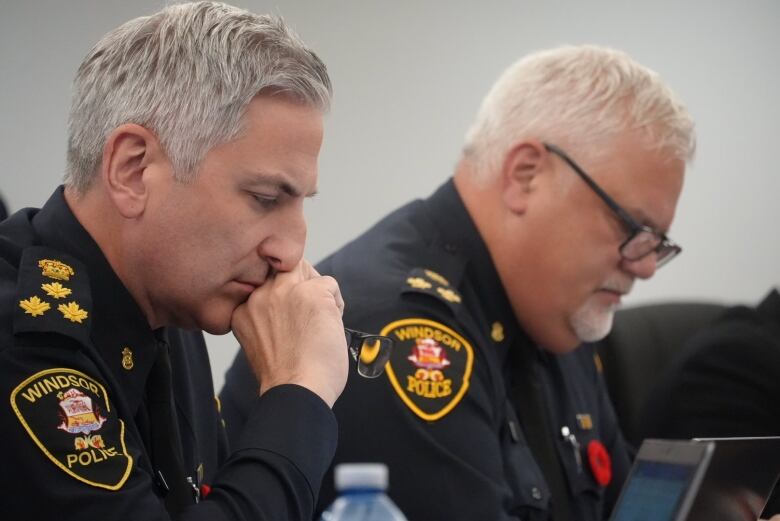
{"x":361,"y":488}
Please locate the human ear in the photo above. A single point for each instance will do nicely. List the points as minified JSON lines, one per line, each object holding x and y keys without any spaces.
{"x":522,"y":166}
{"x":129,"y":153}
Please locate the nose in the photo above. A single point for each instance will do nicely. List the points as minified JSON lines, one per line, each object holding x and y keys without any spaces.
{"x":643,"y":268}
{"x":283,"y":247}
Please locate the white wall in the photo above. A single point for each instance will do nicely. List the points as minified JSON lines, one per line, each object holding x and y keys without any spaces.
{"x":408,"y":77}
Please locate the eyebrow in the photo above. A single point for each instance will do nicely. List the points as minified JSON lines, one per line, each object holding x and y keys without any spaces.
{"x":642,"y":218}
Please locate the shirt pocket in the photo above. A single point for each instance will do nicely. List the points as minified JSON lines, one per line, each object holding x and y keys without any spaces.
{"x":530,"y":493}
{"x":581,"y":473}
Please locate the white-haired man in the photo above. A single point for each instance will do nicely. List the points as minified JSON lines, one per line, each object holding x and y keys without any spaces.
{"x":562,"y":199}
{"x":193,"y":141}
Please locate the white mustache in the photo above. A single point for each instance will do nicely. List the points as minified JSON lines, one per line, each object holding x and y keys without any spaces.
{"x":619,"y":285}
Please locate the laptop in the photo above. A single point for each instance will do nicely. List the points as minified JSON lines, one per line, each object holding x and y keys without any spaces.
{"x":663,"y":481}
{"x":713,"y":479}
{"x":739,"y":481}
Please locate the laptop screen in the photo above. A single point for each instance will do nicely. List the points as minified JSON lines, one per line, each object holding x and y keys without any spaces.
{"x":739,"y":479}
{"x":663,"y":481}
{"x":654,"y":492}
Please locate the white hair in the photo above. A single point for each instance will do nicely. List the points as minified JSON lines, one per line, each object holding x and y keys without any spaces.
{"x":577,"y":95}
{"x":187,"y":73}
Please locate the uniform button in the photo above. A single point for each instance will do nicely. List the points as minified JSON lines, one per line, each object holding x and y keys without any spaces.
{"x":536,"y":493}
{"x":450,"y":248}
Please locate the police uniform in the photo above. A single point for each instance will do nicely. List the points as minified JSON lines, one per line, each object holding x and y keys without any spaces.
{"x":106,"y":419}
{"x":474,"y":421}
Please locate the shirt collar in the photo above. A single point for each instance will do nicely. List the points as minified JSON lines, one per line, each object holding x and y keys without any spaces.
{"x":459,"y":235}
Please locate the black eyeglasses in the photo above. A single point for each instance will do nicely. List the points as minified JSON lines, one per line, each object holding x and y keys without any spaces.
{"x":371,"y":352}
{"x":642,"y":240}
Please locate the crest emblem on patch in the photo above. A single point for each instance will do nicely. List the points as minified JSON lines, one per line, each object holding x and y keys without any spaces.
{"x":69,"y":417}
{"x":78,"y":413}
{"x":430,"y":367}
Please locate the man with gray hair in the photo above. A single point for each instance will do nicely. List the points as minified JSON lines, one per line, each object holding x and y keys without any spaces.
{"x":562,"y":199}
{"x":193,"y":142}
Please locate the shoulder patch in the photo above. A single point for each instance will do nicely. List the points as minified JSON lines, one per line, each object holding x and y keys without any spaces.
{"x":422,"y":280}
{"x":430,"y":367}
{"x":69,"y":417}
{"x":53,"y":295}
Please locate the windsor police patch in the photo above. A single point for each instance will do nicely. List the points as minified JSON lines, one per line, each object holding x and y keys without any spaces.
{"x":69,"y":417}
{"x":430,"y":367}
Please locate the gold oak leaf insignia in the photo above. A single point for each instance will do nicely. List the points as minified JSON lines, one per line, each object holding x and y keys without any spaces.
{"x":56,"y":290}
{"x":73,"y":312}
{"x":417,"y":282}
{"x":448,"y":294}
{"x":34,"y":306}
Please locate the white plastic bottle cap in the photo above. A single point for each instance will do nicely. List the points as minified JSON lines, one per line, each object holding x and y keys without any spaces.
{"x":361,"y":475}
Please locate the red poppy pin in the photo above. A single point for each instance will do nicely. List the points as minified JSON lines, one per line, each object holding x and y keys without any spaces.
{"x":600,"y":462}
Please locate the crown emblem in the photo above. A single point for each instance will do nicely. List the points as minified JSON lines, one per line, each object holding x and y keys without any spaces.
{"x":55,"y":269}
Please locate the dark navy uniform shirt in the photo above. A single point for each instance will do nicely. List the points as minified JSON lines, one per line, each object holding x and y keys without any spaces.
{"x":474,"y":420}
{"x":77,"y":428}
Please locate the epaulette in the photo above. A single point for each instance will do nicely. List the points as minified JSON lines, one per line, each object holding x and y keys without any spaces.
{"x":429,"y":282}
{"x":52,"y":295}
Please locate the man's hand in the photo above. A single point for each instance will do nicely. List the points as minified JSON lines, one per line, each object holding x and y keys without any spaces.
{"x":291,"y":331}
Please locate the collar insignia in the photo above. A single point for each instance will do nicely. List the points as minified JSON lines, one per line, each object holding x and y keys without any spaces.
{"x":127,"y":358}
{"x":34,"y":306}
{"x":598,"y":363}
{"x":497,"y":332}
{"x":55,"y":269}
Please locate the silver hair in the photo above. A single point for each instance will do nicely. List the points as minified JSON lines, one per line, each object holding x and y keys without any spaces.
{"x":577,"y":96}
{"x":187,"y":73}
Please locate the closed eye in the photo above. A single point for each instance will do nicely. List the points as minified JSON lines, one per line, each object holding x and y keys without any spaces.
{"x":267,"y":202}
